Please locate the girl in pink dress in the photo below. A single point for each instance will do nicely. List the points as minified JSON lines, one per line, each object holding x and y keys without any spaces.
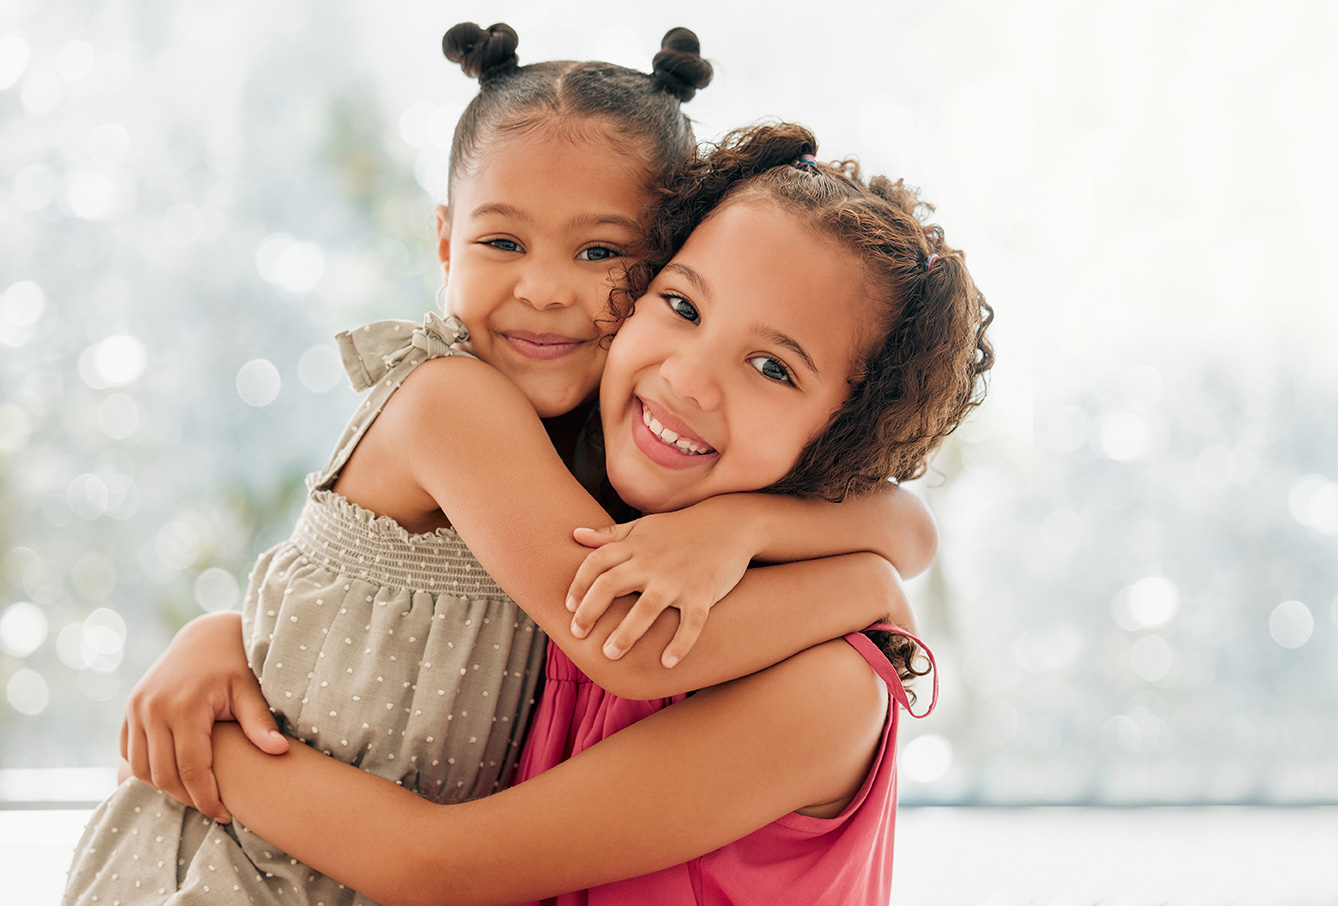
{"x":803,"y":304}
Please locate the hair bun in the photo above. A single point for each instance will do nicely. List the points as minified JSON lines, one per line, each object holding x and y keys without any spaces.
{"x":679,"y":67}
{"x":481,"y":52}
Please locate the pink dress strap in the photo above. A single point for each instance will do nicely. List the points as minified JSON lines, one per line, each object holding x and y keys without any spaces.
{"x":879,"y":662}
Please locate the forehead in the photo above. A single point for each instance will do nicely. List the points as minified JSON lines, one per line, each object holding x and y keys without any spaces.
{"x":550,"y":166}
{"x":764,"y":263}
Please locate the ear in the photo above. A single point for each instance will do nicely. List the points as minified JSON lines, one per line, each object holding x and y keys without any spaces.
{"x":443,"y":215}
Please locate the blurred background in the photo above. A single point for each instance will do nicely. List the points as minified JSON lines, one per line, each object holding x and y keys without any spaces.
{"x":1135,"y":606}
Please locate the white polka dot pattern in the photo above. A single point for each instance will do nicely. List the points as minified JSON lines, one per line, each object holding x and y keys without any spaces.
{"x":390,"y":651}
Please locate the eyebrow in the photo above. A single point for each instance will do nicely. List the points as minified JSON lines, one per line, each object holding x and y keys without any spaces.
{"x":770,"y":333}
{"x":581,"y":220}
{"x":789,"y":343}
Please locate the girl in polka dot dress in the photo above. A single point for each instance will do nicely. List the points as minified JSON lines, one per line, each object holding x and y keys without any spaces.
{"x":378,"y":636}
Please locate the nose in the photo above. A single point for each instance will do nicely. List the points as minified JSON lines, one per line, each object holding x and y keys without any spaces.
{"x":693,"y":374}
{"x":543,"y":284}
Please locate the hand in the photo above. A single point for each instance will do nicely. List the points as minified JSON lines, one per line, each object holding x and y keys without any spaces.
{"x":688,"y":559}
{"x":201,"y":678}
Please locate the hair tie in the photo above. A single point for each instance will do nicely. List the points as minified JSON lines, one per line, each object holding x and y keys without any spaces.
{"x":929,"y":262}
{"x":807,"y":162}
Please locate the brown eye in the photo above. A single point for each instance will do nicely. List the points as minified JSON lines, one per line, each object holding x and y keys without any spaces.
{"x":684,"y":309}
{"x":772,"y":368}
{"x":599,"y":253}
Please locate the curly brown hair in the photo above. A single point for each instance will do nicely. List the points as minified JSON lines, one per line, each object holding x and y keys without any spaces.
{"x":926,"y":372}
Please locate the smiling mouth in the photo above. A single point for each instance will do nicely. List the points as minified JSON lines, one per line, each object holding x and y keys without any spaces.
{"x":671,"y":438}
{"x":542,"y":345}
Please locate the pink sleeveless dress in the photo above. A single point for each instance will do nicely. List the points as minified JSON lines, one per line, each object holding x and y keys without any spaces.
{"x":796,"y":860}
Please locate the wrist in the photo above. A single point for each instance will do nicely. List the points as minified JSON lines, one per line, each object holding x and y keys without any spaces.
{"x":751,"y":523}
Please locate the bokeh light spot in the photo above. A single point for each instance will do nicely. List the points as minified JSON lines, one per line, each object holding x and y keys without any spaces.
{"x":293,"y":265}
{"x":320,"y":369}
{"x":23,"y":303}
{"x":1291,"y":624}
{"x":1151,"y":657}
{"x":14,"y":56}
{"x":1125,"y":436}
{"x":177,"y":545}
{"x":119,"y":360}
{"x":118,"y":416}
{"x":27,"y":692}
{"x":216,"y":589}
{"x":23,"y":629}
{"x":40,"y":92}
{"x":926,"y":758}
{"x":91,"y":194}
{"x":258,"y":382}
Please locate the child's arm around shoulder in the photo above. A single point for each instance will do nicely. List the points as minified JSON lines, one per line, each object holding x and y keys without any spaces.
{"x":799,"y":736}
{"x":690,"y":559}
{"x":472,"y":441}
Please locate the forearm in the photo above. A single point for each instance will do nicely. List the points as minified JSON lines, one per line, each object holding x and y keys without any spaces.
{"x":644,"y":799}
{"x":890,"y":522}
{"x":774,"y":612}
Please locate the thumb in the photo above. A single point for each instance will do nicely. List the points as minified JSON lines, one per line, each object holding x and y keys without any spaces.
{"x":591,"y":537}
{"x":256,"y":721}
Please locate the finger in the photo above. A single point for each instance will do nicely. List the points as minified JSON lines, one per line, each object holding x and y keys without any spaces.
{"x":137,"y":754}
{"x":163,"y":772}
{"x":600,"y":595}
{"x":634,"y":625}
{"x":592,"y":567}
{"x":195,"y":766}
{"x":125,"y":737}
{"x":595,"y":537}
{"x":256,"y":720}
{"x":691,"y":621}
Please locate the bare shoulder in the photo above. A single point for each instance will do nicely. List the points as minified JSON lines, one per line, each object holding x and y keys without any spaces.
{"x":824,"y":709}
{"x":831,"y":682}
{"x":464,"y":380}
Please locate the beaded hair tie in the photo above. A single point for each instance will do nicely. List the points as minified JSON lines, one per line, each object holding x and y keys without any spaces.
{"x":929,"y":262}
{"x":807,"y":162}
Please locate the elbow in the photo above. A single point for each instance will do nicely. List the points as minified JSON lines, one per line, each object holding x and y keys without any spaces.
{"x":635,"y":676}
{"x":921,"y":543}
{"x":926,"y":547}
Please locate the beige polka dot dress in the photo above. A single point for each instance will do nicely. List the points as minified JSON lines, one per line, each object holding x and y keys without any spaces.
{"x":390,"y":651}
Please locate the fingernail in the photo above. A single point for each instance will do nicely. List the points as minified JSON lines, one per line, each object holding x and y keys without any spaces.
{"x":670,"y":660}
{"x":612,"y":651}
{"x":571,"y":603}
{"x":577,"y":630}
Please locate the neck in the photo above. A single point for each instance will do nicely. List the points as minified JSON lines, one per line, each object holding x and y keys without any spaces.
{"x":563,"y":430}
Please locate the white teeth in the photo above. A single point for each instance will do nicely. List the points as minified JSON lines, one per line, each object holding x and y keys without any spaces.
{"x":670,"y":437}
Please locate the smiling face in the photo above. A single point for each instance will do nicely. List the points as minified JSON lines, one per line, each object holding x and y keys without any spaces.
{"x":737,"y":355}
{"x":533,"y":240}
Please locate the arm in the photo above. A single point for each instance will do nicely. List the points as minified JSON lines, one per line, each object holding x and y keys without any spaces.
{"x":692,"y":558}
{"x":516,"y":505}
{"x":891,"y":522}
{"x":646,"y":798}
